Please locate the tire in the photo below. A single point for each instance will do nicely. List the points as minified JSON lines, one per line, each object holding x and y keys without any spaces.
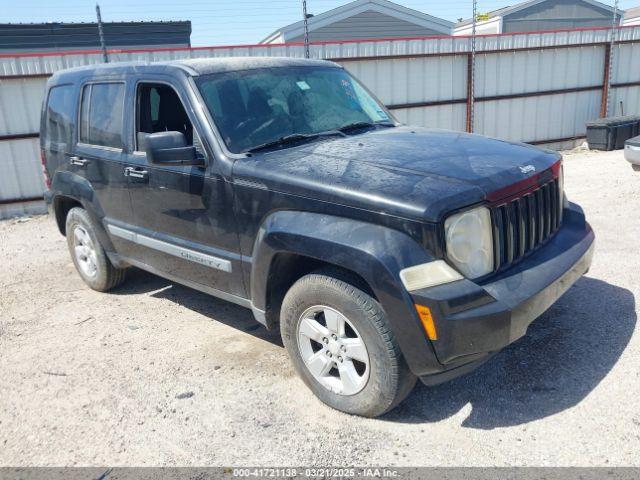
{"x":324,"y":297}
{"x":89,"y":258}
{"x":635,"y":167}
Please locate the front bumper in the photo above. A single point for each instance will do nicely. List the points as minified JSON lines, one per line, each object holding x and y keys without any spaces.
{"x":474,"y":321}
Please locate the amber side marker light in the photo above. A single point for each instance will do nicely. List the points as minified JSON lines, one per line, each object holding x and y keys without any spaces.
{"x":427,"y":321}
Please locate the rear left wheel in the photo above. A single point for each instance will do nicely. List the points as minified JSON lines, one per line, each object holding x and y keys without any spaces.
{"x":87,"y":253}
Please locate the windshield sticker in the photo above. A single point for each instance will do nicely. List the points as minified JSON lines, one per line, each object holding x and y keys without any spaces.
{"x":303,"y":85}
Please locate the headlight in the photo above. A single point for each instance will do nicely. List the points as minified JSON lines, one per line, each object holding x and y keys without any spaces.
{"x":470,"y":242}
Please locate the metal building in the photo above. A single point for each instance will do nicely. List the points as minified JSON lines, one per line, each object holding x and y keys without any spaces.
{"x":539,"y":15}
{"x":631,"y":16}
{"x":30,"y":37}
{"x":364,"y":19}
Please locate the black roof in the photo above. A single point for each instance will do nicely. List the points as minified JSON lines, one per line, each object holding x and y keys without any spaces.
{"x":193,"y":67}
{"x":77,"y":36}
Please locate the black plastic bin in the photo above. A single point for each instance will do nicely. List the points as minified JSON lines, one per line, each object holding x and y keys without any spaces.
{"x":610,"y":133}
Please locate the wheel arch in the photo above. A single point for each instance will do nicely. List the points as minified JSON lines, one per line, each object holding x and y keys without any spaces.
{"x":291,"y":244}
{"x":287,"y":268}
{"x":61,"y":205}
{"x":69,"y":190}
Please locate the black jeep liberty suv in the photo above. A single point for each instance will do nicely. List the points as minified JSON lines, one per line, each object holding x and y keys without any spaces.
{"x":383,"y":252}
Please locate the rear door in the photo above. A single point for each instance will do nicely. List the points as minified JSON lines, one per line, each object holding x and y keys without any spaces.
{"x":99,"y":153}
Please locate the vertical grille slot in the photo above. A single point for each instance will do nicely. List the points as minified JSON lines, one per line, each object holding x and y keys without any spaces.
{"x":539,"y":216}
{"x":546,"y":210}
{"x":510,"y":223}
{"x":523,"y":224}
{"x":553,"y":195}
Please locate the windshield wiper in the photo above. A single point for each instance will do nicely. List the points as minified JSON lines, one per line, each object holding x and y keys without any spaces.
{"x":292,"y":138}
{"x":357,"y":125}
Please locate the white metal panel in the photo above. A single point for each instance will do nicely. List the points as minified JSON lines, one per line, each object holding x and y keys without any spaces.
{"x":449,"y":117}
{"x":626,"y":63}
{"x":400,"y":81}
{"x":630,"y":98}
{"x":538,"y":70}
{"x":20,"y":169}
{"x":20,"y":101}
{"x":537,"y":118}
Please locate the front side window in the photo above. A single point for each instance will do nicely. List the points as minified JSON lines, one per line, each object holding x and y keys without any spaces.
{"x":159,"y":109}
{"x":258,"y":106}
{"x":59,"y":112}
{"x":101,"y":113}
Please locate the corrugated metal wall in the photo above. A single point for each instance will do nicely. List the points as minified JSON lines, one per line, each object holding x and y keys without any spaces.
{"x":532,"y":87}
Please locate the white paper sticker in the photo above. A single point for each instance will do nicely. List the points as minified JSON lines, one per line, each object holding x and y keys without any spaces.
{"x":303,"y":85}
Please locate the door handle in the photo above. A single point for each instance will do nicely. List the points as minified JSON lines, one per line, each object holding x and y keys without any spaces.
{"x":80,"y":162}
{"x":135,"y":173}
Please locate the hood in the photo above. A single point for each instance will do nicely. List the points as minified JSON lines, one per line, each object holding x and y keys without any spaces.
{"x":405,"y":171}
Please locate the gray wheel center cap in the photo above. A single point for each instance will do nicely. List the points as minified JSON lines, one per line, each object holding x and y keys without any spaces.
{"x":333,"y":347}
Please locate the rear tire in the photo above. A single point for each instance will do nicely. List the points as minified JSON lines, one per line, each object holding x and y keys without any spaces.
{"x":371,"y":382}
{"x":89,"y":258}
{"x":635,"y":167}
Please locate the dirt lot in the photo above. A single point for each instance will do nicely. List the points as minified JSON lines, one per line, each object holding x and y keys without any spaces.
{"x":92,"y":379}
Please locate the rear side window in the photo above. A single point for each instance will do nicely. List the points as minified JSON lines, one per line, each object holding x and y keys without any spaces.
{"x":59,"y":113}
{"x":101,"y":114}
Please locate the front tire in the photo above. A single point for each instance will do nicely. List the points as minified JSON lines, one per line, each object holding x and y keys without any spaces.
{"x":341,"y":345}
{"x":89,"y":258}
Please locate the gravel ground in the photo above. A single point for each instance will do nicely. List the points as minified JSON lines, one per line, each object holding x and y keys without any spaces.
{"x":97,"y":379}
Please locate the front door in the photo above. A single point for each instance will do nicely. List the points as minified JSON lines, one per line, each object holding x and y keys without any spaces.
{"x":183,"y":215}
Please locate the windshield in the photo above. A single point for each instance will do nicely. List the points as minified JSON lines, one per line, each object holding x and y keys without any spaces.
{"x":257,"y":107}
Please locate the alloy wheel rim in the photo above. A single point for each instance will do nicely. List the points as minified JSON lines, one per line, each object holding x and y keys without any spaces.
{"x":332,"y":350}
{"x":85,"y":251}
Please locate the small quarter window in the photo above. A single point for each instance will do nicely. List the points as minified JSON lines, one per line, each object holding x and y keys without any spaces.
{"x":59,"y":113}
{"x":101,"y":114}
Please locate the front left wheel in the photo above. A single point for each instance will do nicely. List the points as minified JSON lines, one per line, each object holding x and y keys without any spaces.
{"x":87,"y":253}
{"x":341,"y":344}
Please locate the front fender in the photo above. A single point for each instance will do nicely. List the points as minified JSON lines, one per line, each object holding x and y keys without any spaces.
{"x":374,"y":252}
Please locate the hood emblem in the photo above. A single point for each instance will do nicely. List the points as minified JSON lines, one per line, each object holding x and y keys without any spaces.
{"x":527,"y":168}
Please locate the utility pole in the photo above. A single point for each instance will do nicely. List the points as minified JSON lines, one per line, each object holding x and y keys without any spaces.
{"x":103,"y":45}
{"x":306,"y":29}
{"x":614,"y":33}
{"x":472,"y":76}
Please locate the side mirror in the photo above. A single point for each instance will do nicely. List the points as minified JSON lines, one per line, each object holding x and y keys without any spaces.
{"x":170,"y":148}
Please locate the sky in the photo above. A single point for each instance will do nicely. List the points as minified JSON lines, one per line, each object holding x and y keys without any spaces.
{"x":221,"y":22}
